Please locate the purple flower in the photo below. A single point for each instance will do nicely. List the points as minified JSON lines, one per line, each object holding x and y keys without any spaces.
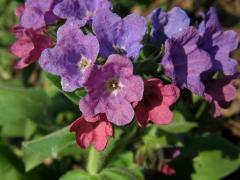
{"x":219,"y":93}
{"x":167,"y":24}
{"x":72,"y":57}
{"x":210,"y":23}
{"x":171,"y":153}
{"x":80,"y":10}
{"x":38,"y":13}
{"x":219,"y":44}
{"x":117,"y":35}
{"x":184,"y":62}
{"x":111,"y":89}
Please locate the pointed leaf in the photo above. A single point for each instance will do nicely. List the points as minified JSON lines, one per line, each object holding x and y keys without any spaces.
{"x":36,"y":151}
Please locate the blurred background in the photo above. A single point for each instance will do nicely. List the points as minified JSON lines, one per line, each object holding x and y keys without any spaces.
{"x":31,"y":107}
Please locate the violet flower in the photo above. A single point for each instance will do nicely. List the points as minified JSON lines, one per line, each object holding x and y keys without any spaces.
{"x":82,"y":11}
{"x":167,"y":24}
{"x":38,"y":13}
{"x":117,"y":35}
{"x":72,"y":57}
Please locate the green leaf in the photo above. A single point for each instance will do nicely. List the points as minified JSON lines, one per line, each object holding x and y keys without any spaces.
{"x":19,"y":104}
{"x":124,"y":159}
{"x":73,"y":96}
{"x":132,"y":173}
{"x":121,"y":167}
{"x":158,"y":138}
{"x":214,"y":165}
{"x":30,"y":129}
{"x":25,"y":128}
{"x":78,"y":175}
{"x":36,"y":151}
{"x":214,"y":158}
{"x":8,"y":171}
{"x":10,"y":164}
{"x":179,"y":124}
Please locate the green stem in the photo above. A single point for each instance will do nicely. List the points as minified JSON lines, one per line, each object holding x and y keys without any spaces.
{"x":201,"y":110}
{"x":120,"y":145}
{"x":93,"y":161}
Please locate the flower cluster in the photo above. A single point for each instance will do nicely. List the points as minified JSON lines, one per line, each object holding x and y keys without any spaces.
{"x":96,"y":49}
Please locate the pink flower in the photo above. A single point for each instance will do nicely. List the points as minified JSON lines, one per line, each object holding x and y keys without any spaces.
{"x":19,"y":10}
{"x":220,"y":93}
{"x":167,"y":170}
{"x":95,"y":132}
{"x":29,"y":45}
{"x":156,"y":102}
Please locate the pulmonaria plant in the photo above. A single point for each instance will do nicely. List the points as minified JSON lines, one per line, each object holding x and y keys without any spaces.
{"x":219,"y":44}
{"x":30,"y":41}
{"x":167,"y":24}
{"x":117,"y":35}
{"x":82,"y":11}
{"x":38,"y":14}
{"x":29,"y":45}
{"x":95,"y":132}
{"x":98,"y":51}
{"x":219,"y":93}
{"x":156,"y":102}
{"x":111,"y":88}
{"x":73,"y":56}
{"x":184,"y":62}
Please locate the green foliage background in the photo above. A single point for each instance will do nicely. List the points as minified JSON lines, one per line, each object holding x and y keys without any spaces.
{"x":35,"y":113}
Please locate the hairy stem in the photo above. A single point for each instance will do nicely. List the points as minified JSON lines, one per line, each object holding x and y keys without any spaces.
{"x":93,"y":161}
{"x":120,"y":145}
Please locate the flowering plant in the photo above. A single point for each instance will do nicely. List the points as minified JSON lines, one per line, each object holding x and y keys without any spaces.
{"x":129,"y":73}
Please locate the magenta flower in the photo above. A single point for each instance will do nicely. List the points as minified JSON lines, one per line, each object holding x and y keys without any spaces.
{"x":29,"y":45}
{"x":72,"y":57}
{"x":82,"y":11}
{"x":94,"y":133}
{"x":219,"y":93}
{"x":19,"y":10}
{"x":111,"y":89}
{"x":156,"y":102}
{"x":117,"y":35}
{"x":38,"y":13}
{"x":184,"y":62}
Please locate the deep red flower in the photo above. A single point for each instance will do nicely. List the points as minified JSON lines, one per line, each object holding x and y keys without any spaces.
{"x":29,"y":45}
{"x":156,"y":103}
{"x":95,"y":132}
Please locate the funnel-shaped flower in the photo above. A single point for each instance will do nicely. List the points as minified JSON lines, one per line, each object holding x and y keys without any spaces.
{"x":94,"y":133}
{"x":219,"y":44}
{"x":184,"y":62}
{"x":117,"y":35}
{"x":80,"y":10}
{"x":38,"y":13}
{"x":29,"y":45}
{"x":156,"y":102}
{"x":219,"y":93}
{"x":72,"y":57}
{"x":111,"y":89}
{"x":167,"y":24}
